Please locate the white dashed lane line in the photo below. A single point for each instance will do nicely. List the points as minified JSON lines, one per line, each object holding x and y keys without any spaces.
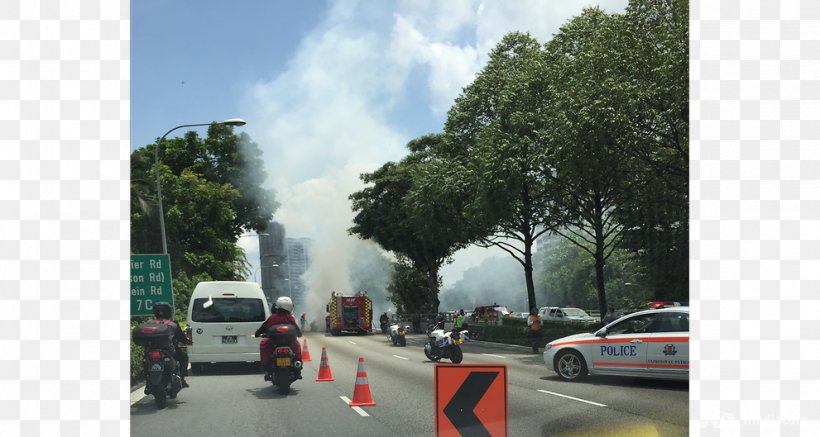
{"x":497,"y":356}
{"x":574,"y":399}
{"x":358,"y":409}
{"x":351,"y":342}
{"x":401,"y":357}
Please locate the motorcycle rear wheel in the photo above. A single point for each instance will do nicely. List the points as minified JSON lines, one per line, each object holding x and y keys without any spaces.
{"x":159,"y":396}
{"x":402,"y":341}
{"x":395,"y":341}
{"x":283,"y":381}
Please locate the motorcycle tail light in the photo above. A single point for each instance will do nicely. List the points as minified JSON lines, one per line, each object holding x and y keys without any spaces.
{"x":155,"y":355}
{"x":282,"y":350}
{"x":281,"y":329}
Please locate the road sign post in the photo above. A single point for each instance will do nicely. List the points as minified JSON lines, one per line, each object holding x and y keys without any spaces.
{"x":150,"y":282}
{"x":471,"y":399}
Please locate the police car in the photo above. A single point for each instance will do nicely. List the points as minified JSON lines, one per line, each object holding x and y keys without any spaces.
{"x":652,"y":344}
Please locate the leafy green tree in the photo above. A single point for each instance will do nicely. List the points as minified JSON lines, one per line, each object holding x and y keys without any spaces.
{"x":409,"y":289}
{"x":590,"y":170}
{"x":211,"y":192}
{"x":493,"y":131}
{"x":396,"y":213}
{"x":652,"y":72}
{"x":564,"y":277}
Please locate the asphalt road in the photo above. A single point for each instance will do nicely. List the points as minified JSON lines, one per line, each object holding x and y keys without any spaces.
{"x":234,"y":399}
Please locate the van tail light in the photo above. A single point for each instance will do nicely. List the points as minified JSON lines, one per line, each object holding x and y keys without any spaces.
{"x":155,"y":355}
{"x":283,"y":350}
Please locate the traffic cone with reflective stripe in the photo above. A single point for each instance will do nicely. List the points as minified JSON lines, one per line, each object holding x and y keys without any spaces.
{"x":361,"y":393}
{"x":324,"y":368}
{"x":305,"y":353}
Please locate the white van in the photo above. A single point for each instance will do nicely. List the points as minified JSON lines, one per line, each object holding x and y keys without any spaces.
{"x":223,"y":316}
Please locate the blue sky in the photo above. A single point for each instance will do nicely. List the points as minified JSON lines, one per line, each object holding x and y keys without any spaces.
{"x":330,"y":88}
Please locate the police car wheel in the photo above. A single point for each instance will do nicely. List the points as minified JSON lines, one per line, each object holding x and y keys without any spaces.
{"x":570,"y":366}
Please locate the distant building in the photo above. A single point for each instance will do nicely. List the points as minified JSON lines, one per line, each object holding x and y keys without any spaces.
{"x":297,"y":262}
{"x":271,"y":258}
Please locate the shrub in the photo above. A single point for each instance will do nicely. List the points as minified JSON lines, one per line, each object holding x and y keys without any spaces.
{"x":517,"y":334}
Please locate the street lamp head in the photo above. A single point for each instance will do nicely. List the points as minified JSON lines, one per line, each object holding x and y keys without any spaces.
{"x":234,"y":122}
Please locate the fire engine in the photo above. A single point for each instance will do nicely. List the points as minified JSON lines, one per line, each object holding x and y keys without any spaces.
{"x":350,"y":313}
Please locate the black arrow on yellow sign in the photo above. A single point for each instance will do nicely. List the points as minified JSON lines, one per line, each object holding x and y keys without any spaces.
{"x":461,"y":406}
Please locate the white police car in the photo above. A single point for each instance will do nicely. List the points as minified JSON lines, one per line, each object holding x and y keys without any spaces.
{"x":652,"y":344}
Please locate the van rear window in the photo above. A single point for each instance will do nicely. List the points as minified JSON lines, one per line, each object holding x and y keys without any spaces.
{"x":229,"y":310}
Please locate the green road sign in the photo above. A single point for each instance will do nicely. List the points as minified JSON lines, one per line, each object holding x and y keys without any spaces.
{"x":150,"y":282}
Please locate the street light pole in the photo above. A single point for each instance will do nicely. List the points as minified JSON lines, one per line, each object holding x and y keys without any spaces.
{"x":229,"y":122}
{"x":257,"y":269}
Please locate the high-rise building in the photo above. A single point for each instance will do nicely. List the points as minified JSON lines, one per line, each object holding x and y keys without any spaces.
{"x":296,"y":264}
{"x":271,"y":259}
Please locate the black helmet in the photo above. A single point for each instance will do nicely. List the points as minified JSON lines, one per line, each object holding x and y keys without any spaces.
{"x":162,"y":310}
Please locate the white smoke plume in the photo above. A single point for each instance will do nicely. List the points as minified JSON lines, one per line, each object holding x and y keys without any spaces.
{"x":343,"y":106}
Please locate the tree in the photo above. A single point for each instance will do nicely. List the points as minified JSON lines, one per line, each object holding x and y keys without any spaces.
{"x":396,"y":214}
{"x":589,"y":168}
{"x":493,"y":133}
{"x":211,"y":191}
{"x":409,"y":290}
{"x":652,"y":71}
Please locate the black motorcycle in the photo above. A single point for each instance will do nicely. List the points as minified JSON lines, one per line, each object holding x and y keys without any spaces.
{"x":284,"y":368}
{"x":161,"y":369}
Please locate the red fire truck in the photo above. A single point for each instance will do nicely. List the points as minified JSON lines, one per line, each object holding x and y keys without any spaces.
{"x":350,"y":313}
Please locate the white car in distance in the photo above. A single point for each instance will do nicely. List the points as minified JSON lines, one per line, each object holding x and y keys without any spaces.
{"x":565,"y":315}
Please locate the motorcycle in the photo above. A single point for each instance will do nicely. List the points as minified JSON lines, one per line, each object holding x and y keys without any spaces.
{"x":396,"y":334}
{"x":161,"y":369}
{"x":283,"y":368}
{"x":443,"y":344}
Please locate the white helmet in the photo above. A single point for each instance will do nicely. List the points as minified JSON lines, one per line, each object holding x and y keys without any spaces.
{"x":284,"y":302}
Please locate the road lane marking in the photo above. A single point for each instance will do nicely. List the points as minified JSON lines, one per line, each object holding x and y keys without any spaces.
{"x":351,"y":342}
{"x":401,"y":357}
{"x":570,"y":397}
{"x":497,"y":356}
{"x":358,"y":409}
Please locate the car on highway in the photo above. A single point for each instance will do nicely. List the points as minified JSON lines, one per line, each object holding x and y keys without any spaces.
{"x":565,"y":315}
{"x":652,"y":343}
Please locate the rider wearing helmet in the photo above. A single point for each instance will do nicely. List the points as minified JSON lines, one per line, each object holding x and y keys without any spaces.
{"x":163,"y":314}
{"x":281,"y":315}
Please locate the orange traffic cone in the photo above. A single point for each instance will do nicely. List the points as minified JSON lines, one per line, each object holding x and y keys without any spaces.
{"x":324,"y":368}
{"x":305,"y":353}
{"x":361,"y":393}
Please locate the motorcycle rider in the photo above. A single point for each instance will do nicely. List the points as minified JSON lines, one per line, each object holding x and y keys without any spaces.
{"x":281,"y":315}
{"x":163,"y":314}
{"x":383,"y":321}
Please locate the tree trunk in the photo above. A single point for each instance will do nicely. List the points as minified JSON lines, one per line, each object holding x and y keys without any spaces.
{"x":432,"y":283}
{"x":599,"y":258}
{"x":528,"y":275}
